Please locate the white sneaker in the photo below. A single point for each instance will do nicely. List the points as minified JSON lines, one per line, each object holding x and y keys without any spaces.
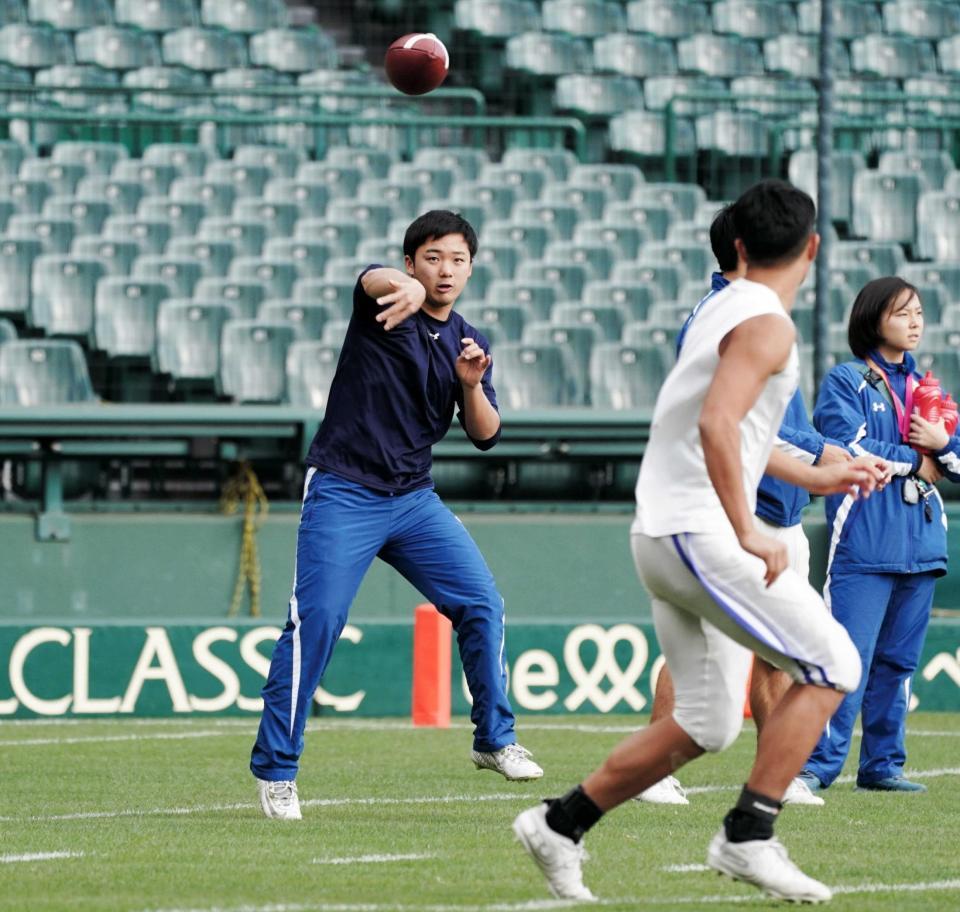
{"x":765,"y":864}
{"x":558,"y":857}
{"x":666,"y":791}
{"x":512,"y":762}
{"x":279,"y":799}
{"x":798,"y":792}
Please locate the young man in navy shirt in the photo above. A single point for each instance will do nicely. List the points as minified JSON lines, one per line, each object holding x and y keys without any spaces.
{"x":408,"y":363}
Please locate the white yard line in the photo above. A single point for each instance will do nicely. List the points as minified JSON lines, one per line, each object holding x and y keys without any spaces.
{"x":370,"y":859}
{"x":685,"y":868}
{"x":39,"y":856}
{"x":841,"y":780}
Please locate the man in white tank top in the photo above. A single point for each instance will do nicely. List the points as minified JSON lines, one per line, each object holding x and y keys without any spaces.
{"x":721,"y":589}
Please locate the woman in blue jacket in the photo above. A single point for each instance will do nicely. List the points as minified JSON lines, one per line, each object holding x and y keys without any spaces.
{"x":886,"y":551}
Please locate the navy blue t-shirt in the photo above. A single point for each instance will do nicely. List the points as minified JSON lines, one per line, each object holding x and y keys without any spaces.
{"x":393,"y":398}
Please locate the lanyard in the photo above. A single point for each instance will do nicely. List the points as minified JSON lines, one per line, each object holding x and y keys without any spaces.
{"x":903,"y":412}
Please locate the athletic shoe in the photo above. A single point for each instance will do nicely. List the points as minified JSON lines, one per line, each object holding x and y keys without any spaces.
{"x":279,"y":799}
{"x":799,"y":792}
{"x":765,"y":864}
{"x":666,"y":791}
{"x":810,"y":780}
{"x":558,"y":857}
{"x":512,"y":762}
{"x":890,"y":784}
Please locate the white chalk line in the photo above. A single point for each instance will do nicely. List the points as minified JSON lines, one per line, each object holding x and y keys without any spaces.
{"x":371,"y":859}
{"x":841,"y":780}
{"x":685,"y":868}
{"x":39,"y":856}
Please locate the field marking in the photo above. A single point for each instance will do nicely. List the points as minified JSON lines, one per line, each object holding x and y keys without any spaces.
{"x":685,"y":868}
{"x":545,"y":904}
{"x":371,"y":859}
{"x":39,"y":856}
{"x":841,"y":780}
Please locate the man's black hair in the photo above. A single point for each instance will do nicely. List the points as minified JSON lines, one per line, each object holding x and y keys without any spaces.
{"x":874,"y":300}
{"x":722,"y":237}
{"x":774,"y":220}
{"x":435,"y":224}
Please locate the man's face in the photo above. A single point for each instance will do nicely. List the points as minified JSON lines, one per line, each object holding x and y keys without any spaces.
{"x":442,"y":266}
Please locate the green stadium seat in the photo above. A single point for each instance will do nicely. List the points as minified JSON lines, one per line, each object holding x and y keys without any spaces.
{"x":63,"y":288}
{"x":56,"y":234}
{"x":70,"y":15}
{"x":935,"y":302}
{"x":87,"y":215}
{"x":934,"y":167}
{"x":117,"y":48}
{"x":184,"y":159}
{"x":945,"y":275}
{"x":560,"y":218}
{"x":34,"y":46}
{"x":277,"y":275}
{"x":608,"y":319}
{"x":16,"y":269}
{"x":341,"y":237}
{"x":885,"y":206}
{"x":27,"y":195}
{"x":214,"y":256}
{"x":767,"y":96}
{"x":253,"y":356}
{"x":307,"y":319}
{"x":188,"y":338}
{"x":335,"y":332}
{"x":116,"y":256}
{"x":799,"y":56}
{"x":125,"y":315}
{"x":529,"y":239}
{"x":653,"y":219}
{"x":482,"y":277}
{"x":96,"y":157}
{"x":558,"y":162}
{"x":891,"y":56}
{"x":664,"y":280}
{"x":280,"y":162}
{"x":155,"y":17}
{"x":163,"y":79}
{"x":359,"y":162}
{"x":886,"y":259}
{"x":634,"y":299}
{"x":293,"y":50}
{"x":567,"y":278}
{"x":433,"y":183}
{"x":617,"y":181}
{"x":372,"y":218}
{"x":7,"y":331}
{"x":216,"y":197}
{"x":310,"y":257}
{"x":309,"y":197}
{"x":671,"y":315}
{"x":61,"y":177}
{"x":310,"y":368}
{"x":247,"y":237}
{"x":720,"y":56}
{"x":386,"y":253}
{"x":739,"y":134}
{"x":496,"y":202}
{"x":12,"y":11}
{"x":277,"y":218}
{"x":526,"y":183}
{"x":536,"y":297}
{"x":505,"y":320}
{"x":588,"y":200}
{"x":596,"y":97}
{"x":626,"y":377}
{"x":244,"y":15}
{"x":938,"y":226}
{"x":634,"y":55}
{"x":244,"y":295}
{"x":695,"y":260}
{"x":404,"y":199}
{"x":502,"y":258}
{"x":689,"y":233}
{"x":682,"y":199}
{"x":12,"y":157}
{"x":332,"y":81}
{"x":659,"y":90}
{"x":183,"y":216}
{"x":43,"y":372}
{"x":466,"y":162}
{"x":336,"y":297}
{"x":65,"y":75}
{"x":154,"y":179}
{"x":844,"y":165}
{"x":668,"y":18}
{"x":752,"y":18}
{"x":181,"y":274}
{"x":643,"y":134}
{"x":247,"y":180}
{"x":920,"y":18}
{"x":343,"y":181}
{"x":7,"y":209}
{"x":204,"y":49}
{"x":578,"y":339}
{"x":853,"y":276}
{"x":151,"y":234}
{"x":594,"y":254}
{"x":496,"y":19}
{"x":851,"y":18}
{"x":583,"y":18}
{"x":545,"y":54}
{"x":948,"y":53}
{"x":231,"y":83}
{"x":862,"y":96}
{"x":534,"y":376}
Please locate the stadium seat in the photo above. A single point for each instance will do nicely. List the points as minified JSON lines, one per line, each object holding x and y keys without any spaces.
{"x":216,"y":197}
{"x":244,"y":15}
{"x":153,"y":179}
{"x":739,"y":134}
{"x":336,"y":297}
{"x":695,"y":260}
{"x":402,"y":198}
{"x":232,"y":82}
{"x":7,"y":209}
{"x":886,"y":259}
{"x":67,"y":75}
{"x":56,"y":234}
{"x":681,"y":199}
{"x":43,"y":372}
{"x":277,"y":218}
{"x":853,"y":276}
{"x":767,"y":96}
{"x":344,"y":270}
{"x":87,"y":215}
{"x":526,"y":183}
{"x":372,"y":218}
{"x":495,"y":201}
{"x":341,"y":237}
{"x":535,"y":376}
{"x":555,"y":163}
{"x":720,"y":56}
{"x":578,"y":339}
{"x":920,"y":18}
{"x":183,"y":216}
{"x":496,"y":19}
{"x":309,"y":257}
{"x":938,"y":226}
{"x":567,"y":278}
{"x":799,"y":56}
{"x":187,"y":160}
{"x":28,"y":196}
{"x":151,"y":234}
{"x":16,"y":268}
{"x":214,"y":257}
{"x":634,"y":55}
{"x":466,"y":162}
{"x":851,"y":18}
{"x":125,"y":315}
{"x":181,"y":274}
{"x":247,"y":180}
{"x":664,"y":281}
{"x":155,"y":17}
{"x":596,"y":97}
{"x":311,"y":366}
{"x":335,"y":332}
{"x":309,"y":197}
{"x":594,"y":254}
{"x":653,"y":219}
{"x":536,"y":297}
{"x":116,"y":256}
{"x":163,"y":79}
{"x":61,"y":177}
{"x":117,"y":48}
{"x":948,"y":53}
{"x":891,"y":56}
{"x":280,"y":162}
{"x":945,"y":275}
{"x":607,"y":319}
{"x":617,"y":181}
{"x":244,"y":296}
{"x":689,"y":233}
{"x":545,"y":54}
{"x":501,"y":258}
{"x":277,"y":275}
{"x":668,"y":18}
{"x":644,"y":134}
{"x":583,"y":18}
{"x":96,"y":157}
{"x":247,"y":237}
{"x":307,"y":318}
{"x":12,"y":157}
{"x":659,"y":90}
{"x":529,"y":239}
{"x":293,"y":50}
{"x":434,"y":183}
{"x":752,"y":18}
{"x":588,"y":201}
{"x":357,"y":163}
{"x":934,"y":167}
{"x":188,"y":338}
{"x":505,"y":320}
{"x":342,"y":180}
{"x":844,"y":166}
{"x":885,"y":205}
{"x":253,"y":356}
{"x":633,"y":299}
{"x":63,"y":288}
{"x":7,"y":331}
{"x":34,"y":47}
{"x":70,"y":15}
{"x":625,"y":377}
{"x":204,"y":49}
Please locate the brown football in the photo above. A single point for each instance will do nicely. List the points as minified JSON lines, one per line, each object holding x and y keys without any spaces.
{"x":417,"y":63}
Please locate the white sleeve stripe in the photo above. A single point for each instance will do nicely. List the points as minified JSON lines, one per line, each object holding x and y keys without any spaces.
{"x":796,"y":452}
{"x":896,"y":468}
{"x":951,"y":461}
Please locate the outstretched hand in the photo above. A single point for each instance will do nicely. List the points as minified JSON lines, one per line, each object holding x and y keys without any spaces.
{"x":403,"y":302}
{"x":859,"y":477}
{"x":472,"y":363}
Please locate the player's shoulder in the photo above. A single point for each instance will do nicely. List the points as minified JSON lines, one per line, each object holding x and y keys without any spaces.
{"x":850,"y":373}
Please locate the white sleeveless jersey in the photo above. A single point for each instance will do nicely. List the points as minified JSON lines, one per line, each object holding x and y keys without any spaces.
{"x":674,"y":492}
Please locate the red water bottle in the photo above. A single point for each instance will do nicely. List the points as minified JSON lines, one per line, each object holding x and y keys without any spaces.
{"x":926,"y":398}
{"x":950,"y":415}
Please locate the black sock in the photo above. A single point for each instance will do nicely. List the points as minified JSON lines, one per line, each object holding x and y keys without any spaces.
{"x":752,"y":817}
{"x":573,"y":814}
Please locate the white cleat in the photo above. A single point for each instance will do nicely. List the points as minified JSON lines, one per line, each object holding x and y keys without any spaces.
{"x":279,"y":799}
{"x":798,"y":792}
{"x":558,"y":857}
{"x":512,"y":762}
{"x":666,"y":791}
{"x":765,"y":864}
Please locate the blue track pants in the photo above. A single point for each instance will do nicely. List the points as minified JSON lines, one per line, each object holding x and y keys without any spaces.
{"x":343,"y":527}
{"x":886,"y":615}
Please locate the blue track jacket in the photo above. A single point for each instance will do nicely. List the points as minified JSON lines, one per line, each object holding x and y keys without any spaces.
{"x":881,"y":534}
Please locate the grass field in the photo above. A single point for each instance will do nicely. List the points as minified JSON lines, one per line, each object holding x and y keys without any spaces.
{"x":161,"y":815}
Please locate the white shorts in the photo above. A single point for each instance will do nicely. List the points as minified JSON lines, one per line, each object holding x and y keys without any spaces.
{"x":798,"y":548}
{"x":712,"y":610}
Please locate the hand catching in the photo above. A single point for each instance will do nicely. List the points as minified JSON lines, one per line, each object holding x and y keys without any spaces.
{"x":472,"y":363}
{"x":404,"y":301}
